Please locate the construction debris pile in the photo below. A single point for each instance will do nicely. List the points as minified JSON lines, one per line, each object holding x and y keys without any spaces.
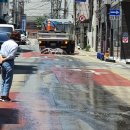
{"x":53,"y":51}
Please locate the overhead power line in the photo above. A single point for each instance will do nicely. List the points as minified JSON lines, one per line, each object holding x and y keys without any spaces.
{"x":55,"y":8}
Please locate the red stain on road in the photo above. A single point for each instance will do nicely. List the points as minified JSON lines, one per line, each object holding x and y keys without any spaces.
{"x":30,"y":54}
{"x":10,"y":114}
{"x":99,"y":76}
{"x":109,"y":78}
{"x":70,"y":76}
{"x":13,"y":104}
{"x":37,"y":54}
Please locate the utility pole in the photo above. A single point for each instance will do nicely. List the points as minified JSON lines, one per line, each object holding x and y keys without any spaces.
{"x":14,"y":12}
{"x":65,"y":8}
{"x":51,"y":8}
{"x":55,"y":8}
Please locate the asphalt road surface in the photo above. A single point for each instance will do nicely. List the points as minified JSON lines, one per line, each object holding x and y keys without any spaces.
{"x":66,"y":92}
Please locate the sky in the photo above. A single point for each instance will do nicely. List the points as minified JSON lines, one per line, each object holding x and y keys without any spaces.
{"x":37,"y":7}
{"x":43,"y":7}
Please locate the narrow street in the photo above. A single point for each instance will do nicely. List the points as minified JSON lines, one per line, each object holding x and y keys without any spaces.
{"x":66,"y":92}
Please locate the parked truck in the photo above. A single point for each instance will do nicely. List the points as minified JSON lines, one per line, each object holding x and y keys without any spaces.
{"x":9,"y":28}
{"x":57,"y":33}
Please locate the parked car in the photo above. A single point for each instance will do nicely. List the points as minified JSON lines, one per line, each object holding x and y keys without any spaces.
{"x":23,"y":36}
{"x":3,"y":37}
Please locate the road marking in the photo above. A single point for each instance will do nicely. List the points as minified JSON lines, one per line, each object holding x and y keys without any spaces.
{"x":98,"y":73}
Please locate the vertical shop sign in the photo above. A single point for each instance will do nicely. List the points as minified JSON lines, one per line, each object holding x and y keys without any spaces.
{"x":23,"y":26}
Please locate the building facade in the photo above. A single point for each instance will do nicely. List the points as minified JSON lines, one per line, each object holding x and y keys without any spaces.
{"x":103,"y":31}
{"x":113,"y":28}
{"x":4,"y":12}
{"x":120,"y":30}
{"x":103,"y":26}
{"x":11,"y":12}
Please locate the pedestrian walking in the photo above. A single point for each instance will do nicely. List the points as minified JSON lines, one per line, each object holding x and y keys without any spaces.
{"x":7,"y":56}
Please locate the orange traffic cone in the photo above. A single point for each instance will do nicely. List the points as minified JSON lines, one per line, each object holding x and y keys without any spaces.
{"x":49,"y":26}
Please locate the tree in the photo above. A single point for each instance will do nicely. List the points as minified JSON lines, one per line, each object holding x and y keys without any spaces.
{"x":40,"y":20}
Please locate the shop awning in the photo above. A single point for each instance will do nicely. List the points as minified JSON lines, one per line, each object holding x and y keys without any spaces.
{"x":3,"y":1}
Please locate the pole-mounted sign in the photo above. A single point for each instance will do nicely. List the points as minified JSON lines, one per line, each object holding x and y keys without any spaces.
{"x":114,"y":12}
{"x":82,"y":18}
{"x":125,"y":37}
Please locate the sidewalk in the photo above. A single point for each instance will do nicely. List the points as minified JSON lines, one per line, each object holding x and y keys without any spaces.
{"x":119,"y":67}
{"x":111,"y":59}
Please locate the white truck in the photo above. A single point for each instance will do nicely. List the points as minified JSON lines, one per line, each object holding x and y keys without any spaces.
{"x":9,"y":28}
{"x":57,"y":33}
